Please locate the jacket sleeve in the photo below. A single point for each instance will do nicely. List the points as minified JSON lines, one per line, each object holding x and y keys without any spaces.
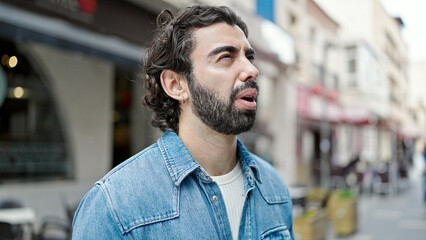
{"x":93,"y":218}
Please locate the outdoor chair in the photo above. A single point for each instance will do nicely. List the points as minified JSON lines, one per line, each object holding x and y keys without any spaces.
{"x":60,"y":227}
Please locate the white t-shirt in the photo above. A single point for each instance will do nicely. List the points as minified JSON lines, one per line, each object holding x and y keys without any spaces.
{"x":232,"y":188}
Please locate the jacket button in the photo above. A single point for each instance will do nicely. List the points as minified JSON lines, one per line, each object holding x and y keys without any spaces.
{"x":214,"y":198}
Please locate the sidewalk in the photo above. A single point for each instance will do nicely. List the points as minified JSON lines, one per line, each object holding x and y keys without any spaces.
{"x":401,"y":216}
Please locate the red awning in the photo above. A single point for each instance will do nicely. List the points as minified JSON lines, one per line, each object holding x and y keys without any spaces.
{"x":317,"y":103}
{"x":357,"y":115}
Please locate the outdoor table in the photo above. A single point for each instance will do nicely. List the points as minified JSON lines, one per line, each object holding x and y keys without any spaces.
{"x":24,"y":217}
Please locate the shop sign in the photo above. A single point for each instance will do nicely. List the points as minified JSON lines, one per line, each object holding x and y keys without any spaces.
{"x":80,"y":9}
{"x":66,"y":6}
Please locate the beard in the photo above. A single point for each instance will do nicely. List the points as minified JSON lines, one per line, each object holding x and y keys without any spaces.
{"x":221,"y":116}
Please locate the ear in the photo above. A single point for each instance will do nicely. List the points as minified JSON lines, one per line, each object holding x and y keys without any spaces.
{"x":174,"y":84}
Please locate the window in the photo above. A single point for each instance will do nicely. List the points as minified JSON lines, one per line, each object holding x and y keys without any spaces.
{"x":351,"y":67}
{"x":293,"y":20}
{"x":351,"y":59}
{"x":32,"y":144}
{"x":391,"y":50}
{"x":336,"y":85}
{"x":312,"y":34}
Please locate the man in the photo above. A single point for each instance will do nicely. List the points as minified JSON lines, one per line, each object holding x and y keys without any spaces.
{"x":198,"y":181}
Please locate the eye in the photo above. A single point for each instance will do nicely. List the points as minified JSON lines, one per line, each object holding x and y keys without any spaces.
{"x":251,"y":58}
{"x":225,"y":56}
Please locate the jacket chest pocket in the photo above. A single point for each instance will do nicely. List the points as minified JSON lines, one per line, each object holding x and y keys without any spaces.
{"x":277,"y":233}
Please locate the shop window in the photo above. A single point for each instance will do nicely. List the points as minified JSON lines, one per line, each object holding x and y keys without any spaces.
{"x":32,"y":145}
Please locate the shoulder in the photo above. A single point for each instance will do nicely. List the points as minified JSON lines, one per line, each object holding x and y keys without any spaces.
{"x":150,"y":156}
{"x":137,"y":177}
{"x":129,"y":193}
{"x":90,"y":213}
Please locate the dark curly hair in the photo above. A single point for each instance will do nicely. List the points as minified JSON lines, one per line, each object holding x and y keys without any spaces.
{"x":170,"y":49}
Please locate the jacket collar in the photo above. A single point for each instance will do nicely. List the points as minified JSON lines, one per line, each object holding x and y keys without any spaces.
{"x":180,"y":163}
{"x":247,"y":161}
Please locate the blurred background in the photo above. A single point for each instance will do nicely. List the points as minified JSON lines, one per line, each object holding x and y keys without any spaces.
{"x":341,"y":116}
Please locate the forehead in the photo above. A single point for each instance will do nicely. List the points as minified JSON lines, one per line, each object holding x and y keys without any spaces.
{"x":219,"y":34}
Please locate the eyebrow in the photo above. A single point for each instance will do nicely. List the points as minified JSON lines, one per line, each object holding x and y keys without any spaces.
{"x":230,"y":49}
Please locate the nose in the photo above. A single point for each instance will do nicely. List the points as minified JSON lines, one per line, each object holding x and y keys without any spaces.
{"x":249,"y":71}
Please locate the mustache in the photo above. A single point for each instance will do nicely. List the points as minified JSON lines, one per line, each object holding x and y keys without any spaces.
{"x":246,"y":85}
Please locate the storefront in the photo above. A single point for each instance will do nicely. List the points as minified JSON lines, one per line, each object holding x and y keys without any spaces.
{"x":319,"y":116}
{"x":68,"y":100}
{"x":70,"y":97}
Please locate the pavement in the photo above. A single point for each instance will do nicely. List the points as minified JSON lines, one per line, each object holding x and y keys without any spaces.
{"x":391,"y":217}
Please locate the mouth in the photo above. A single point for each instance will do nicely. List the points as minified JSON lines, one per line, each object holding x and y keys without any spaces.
{"x":247,"y":98}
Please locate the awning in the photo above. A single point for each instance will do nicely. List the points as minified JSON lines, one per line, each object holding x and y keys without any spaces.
{"x":24,"y":25}
{"x":320,"y":104}
{"x":357,"y":115}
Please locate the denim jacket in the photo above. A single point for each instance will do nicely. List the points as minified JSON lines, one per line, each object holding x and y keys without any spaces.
{"x":163,"y":193}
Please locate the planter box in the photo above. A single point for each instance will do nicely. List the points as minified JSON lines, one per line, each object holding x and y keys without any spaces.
{"x":311,"y":226}
{"x":342,"y":211}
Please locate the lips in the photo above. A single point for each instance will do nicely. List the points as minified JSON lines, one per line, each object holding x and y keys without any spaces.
{"x":247,"y":98}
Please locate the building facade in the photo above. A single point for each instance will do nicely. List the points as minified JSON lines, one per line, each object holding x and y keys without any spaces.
{"x":376,"y":76}
{"x":70,"y":96}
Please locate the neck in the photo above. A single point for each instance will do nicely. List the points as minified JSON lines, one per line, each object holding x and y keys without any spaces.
{"x":215,"y":152}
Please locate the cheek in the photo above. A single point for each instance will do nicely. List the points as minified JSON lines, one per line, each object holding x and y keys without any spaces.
{"x":217,"y":79}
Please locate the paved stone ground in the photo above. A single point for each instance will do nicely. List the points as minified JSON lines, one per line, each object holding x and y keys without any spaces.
{"x":400,"y":216}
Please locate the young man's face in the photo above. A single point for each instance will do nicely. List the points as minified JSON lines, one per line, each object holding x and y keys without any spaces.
{"x":223,"y":88}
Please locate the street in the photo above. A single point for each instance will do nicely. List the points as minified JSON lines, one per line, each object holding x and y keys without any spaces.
{"x":400,"y":216}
